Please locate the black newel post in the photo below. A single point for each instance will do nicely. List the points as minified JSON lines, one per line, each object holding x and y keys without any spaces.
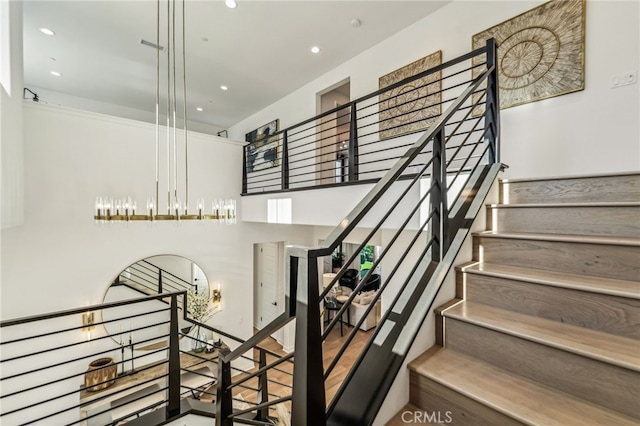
{"x":160,"y":281}
{"x":440,"y":224}
{"x":173,"y":405}
{"x":492,"y":110}
{"x":308,"y":400}
{"x":224,"y":407}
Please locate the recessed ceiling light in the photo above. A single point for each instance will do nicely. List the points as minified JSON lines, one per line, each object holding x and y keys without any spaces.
{"x":224,"y":87}
{"x":56,"y":73}
{"x":315,"y":49}
{"x":231,"y":4}
{"x":47,"y":31}
{"x":199,"y":109}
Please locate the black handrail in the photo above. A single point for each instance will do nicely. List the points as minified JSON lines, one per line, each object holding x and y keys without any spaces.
{"x":454,"y":145}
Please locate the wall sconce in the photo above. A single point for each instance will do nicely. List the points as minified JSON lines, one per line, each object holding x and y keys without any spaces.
{"x":87,"y":322}
{"x":216,"y":295}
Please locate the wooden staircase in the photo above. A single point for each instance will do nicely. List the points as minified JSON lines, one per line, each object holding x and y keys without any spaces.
{"x":545,"y":329}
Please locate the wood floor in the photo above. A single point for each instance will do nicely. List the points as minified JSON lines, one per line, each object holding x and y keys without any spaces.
{"x":280,"y":378}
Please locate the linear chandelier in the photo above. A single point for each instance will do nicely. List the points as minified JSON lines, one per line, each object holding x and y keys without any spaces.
{"x":109,"y":209}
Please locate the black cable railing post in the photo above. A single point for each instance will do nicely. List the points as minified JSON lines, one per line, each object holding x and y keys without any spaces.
{"x":263,"y":389}
{"x":440,"y":225}
{"x":353,"y":145}
{"x":285,"y":161}
{"x":308,"y":398}
{"x":244,"y":169}
{"x":159,"y":281}
{"x":173,"y":404}
{"x":492,"y":109}
{"x":224,"y":403}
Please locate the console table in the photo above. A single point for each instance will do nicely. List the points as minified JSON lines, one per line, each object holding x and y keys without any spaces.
{"x":150,"y":379}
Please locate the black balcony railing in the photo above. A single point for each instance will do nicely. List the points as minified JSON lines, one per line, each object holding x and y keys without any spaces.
{"x":360,"y":141}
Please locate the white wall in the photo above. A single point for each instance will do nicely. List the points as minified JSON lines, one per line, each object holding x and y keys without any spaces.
{"x":12,"y":180}
{"x":60,"y":258}
{"x":68,"y":260}
{"x":592,"y":131}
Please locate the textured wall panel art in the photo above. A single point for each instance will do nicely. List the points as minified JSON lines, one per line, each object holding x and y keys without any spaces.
{"x":540,"y":52}
{"x":413,"y":106}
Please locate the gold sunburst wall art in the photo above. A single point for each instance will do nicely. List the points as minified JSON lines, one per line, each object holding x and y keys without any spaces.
{"x":540,"y":52}
{"x":413,"y":106}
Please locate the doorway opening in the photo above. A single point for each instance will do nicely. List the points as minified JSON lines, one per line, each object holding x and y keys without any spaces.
{"x":332,"y":164}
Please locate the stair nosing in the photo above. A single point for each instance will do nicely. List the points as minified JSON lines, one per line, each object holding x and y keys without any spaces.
{"x":563,"y":205}
{"x":545,"y":332}
{"x":582,"y":239}
{"x":556,"y":279}
{"x":571,"y":177}
{"x":484,"y":397}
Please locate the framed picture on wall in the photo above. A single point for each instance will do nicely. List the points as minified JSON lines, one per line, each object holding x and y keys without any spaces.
{"x":540,"y":52}
{"x":264,"y":147}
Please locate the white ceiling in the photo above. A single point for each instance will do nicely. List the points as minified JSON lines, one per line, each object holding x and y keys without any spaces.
{"x":260,"y":50}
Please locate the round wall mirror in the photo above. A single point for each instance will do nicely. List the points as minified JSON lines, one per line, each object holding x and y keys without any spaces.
{"x":141,"y":324}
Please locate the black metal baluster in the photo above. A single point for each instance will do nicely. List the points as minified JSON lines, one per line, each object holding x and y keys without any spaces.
{"x":353,"y":146}
{"x":285,"y":161}
{"x":263,"y":389}
{"x":440,"y":225}
{"x":244,"y":169}
{"x":160,"y":281}
{"x":492,"y":109}
{"x":224,"y":403}
{"x":173,"y":405}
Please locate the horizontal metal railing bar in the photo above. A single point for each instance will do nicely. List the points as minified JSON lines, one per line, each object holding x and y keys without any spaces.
{"x":370,"y":235}
{"x":65,"y":378}
{"x":378,"y":294}
{"x":25,"y":320}
{"x":58,"y":396}
{"x":353,"y":218}
{"x":249,"y":388}
{"x":387,"y":248}
{"x":400,"y":83}
{"x":248,"y":344}
{"x":319,"y":117}
{"x":259,"y":406}
{"x":473,"y":169}
{"x":75,"y":344}
{"x":35,"y":336}
{"x":280,"y":383}
{"x":263,"y":173}
{"x":56,"y":365}
{"x":261,"y":370}
{"x":80,"y":405}
{"x":179,"y":280}
{"x":317,"y":132}
{"x":116,"y":421}
{"x":315,"y":142}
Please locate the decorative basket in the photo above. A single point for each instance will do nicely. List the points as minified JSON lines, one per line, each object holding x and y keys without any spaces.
{"x":100,"y":375}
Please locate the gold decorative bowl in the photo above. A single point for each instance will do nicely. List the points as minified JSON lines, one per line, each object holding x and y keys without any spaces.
{"x":100,"y":375}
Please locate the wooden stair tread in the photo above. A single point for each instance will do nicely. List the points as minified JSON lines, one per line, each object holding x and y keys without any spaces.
{"x":617,"y":350}
{"x":569,"y":177}
{"x":601,"y":285}
{"x":563,"y":205}
{"x":585,"y":239}
{"x":519,"y":398}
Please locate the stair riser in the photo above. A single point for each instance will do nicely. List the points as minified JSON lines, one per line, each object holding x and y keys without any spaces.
{"x":611,"y":314}
{"x":619,"y":221}
{"x":601,"y":260}
{"x":580,"y":190}
{"x":598,"y":382}
{"x":432,"y":397}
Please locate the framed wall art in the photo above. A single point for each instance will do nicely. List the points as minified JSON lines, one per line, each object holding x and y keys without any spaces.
{"x":411,"y":107}
{"x":263,"y":151}
{"x":540,"y":52}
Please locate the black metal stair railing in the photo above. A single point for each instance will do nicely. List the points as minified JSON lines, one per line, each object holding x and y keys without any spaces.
{"x":419,"y":211}
{"x":44,"y":365}
{"x":147,"y":278}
